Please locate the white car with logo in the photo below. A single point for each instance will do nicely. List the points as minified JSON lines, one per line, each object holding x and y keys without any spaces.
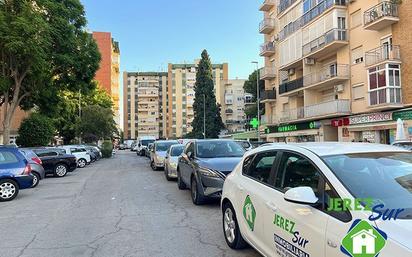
{"x":278,"y":200}
{"x":82,"y":156}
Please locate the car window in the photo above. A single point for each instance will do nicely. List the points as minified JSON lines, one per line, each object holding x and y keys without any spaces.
{"x":77,"y":150}
{"x":164,"y":146}
{"x":296,"y":171}
{"x":7,"y":158}
{"x":330,"y":193}
{"x":190,"y":148}
{"x":261,"y":166}
{"x":176,"y":150}
{"x":47,"y":153}
{"x":219,"y":149}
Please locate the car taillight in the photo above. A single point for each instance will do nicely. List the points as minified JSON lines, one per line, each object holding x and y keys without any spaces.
{"x":37,"y":160}
{"x":27,"y":170}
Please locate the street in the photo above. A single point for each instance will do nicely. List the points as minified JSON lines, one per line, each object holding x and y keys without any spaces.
{"x":115,"y":207}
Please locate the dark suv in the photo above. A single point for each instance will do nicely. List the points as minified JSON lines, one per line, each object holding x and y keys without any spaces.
{"x":56,"y":162}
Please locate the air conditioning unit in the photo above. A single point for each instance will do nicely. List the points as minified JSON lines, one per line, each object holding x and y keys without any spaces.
{"x":339,"y":88}
{"x":309,"y":61}
{"x":291,"y":72}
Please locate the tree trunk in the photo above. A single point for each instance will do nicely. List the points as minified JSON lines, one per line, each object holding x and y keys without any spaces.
{"x":6,"y":131}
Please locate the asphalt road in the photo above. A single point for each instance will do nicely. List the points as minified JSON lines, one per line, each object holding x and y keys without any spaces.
{"x":115,"y":207}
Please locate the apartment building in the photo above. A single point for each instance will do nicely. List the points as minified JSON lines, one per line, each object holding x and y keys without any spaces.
{"x":145,"y":99}
{"x":233,"y":107}
{"x":108,"y":75}
{"x":336,"y":70}
{"x":181,"y":95}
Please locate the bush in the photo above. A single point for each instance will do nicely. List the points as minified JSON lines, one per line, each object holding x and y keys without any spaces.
{"x":107,"y":149}
{"x":36,"y":130}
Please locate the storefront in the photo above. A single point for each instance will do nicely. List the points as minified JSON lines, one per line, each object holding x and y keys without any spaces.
{"x":314,"y":131}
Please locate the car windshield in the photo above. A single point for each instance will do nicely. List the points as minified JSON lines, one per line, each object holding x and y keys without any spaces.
{"x":384,"y":177}
{"x":217,"y":149}
{"x":405,"y":145}
{"x":177,"y":150}
{"x":244,"y":144}
{"x":147,"y":142}
{"x":164,"y":146}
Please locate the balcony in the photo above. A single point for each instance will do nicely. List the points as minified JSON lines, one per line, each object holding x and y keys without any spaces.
{"x":381,"y":16}
{"x":266,"y":26}
{"x":290,"y":87}
{"x":249,"y":100}
{"x":327,"y":76}
{"x":268,"y":96}
{"x":385,"y":98}
{"x":229,"y":111}
{"x":267,"y":5}
{"x":327,"y":44}
{"x":267,"y":49}
{"x":285,"y":4}
{"x":319,"y":9}
{"x":267,"y":73}
{"x":292,"y":115}
{"x":382,"y":54}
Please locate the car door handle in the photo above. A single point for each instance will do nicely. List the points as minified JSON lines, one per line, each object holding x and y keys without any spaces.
{"x":271,"y":206}
{"x":332,"y":244}
{"x":241,"y":189}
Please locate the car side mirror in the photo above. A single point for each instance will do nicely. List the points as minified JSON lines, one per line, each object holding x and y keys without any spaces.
{"x":301,"y":195}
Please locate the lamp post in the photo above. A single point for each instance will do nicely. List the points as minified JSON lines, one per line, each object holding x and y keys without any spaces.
{"x":257,"y":98}
{"x":80,"y":112}
{"x":204,"y":116}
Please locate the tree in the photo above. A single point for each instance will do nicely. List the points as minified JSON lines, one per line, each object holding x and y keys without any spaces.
{"x":205,"y":96}
{"x":250,"y":87}
{"x":36,"y":130}
{"x":43,"y":49}
{"x":96,"y":123}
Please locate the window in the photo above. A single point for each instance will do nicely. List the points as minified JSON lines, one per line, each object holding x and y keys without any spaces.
{"x":190,"y":147}
{"x":384,"y":84}
{"x":356,"y":19}
{"x":261,"y":166}
{"x":7,"y":158}
{"x":46,"y":153}
{"x":358,"y":92}
{"x":330,"y":193}
{"x":296,"y":171}
{"x":77,"y":150}
{"x":357,"y":55}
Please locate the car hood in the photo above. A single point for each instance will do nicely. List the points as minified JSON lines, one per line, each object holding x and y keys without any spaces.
{"x":399,"y":230}
{"x":161,"y":153}
{"x":224,"y":165}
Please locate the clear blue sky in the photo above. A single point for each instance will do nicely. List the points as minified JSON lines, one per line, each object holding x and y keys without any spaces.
{"x":153,"y":33}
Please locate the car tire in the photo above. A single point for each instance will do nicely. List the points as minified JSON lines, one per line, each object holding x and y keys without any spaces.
{"x":197,"y":198}
{"x":231,"y":229}
{"x":168,"y":178}
{"x":180,"y":184}
{"x":81,"y":163}
{"x":36,"y":179}
{"x":9,"y":190}
{"x":60,"y":170}
{"x":153,"y":165}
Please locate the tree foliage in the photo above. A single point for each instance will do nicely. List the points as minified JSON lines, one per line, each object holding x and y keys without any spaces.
{"x":250,"y":87}
{"x":44,"y":48}
{"x":204,"y":94}
{"x":36,"y":130}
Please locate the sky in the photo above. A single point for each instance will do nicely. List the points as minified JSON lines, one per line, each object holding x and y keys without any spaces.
{"x":153,"y":33}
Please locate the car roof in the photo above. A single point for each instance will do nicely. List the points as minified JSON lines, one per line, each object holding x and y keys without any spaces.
{"x":166,"y":141}
{"x":332,"y":148}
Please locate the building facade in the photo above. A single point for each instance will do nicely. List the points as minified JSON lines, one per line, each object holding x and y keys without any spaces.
{"x":336,"y":69}
{"x":145,"y":99}
{"x":181,"y":95}
{"x":108,"y":74}
{"x":233,"y":107}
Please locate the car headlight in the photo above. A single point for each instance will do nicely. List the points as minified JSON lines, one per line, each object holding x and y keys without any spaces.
{"x":208,"y":172}
{"x":173,"y":165}
{"x":160,"y":159}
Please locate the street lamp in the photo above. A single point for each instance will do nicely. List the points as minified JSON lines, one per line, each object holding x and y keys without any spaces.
{"x":257,"y":98}
{"x":204,"y":116}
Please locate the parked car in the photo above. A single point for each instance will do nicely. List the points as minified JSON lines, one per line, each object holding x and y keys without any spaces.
{"x":287,"y":196}
{"x":158,"y":153}
{"x":245,"y":144}
{"x":142,"y":145}
{"x":171,"y":159}
{"x":95,"y":150}
{"x":82,"y":155}
{"x":133,"y":147}
{"x":204,"y":166}
{"x":55,"y":161}
{"x":14,"y":173}
{"x":37,"y":170}
{"x":122,"y":147}
{"x":148,"y":150}
{"x":404,"y":144}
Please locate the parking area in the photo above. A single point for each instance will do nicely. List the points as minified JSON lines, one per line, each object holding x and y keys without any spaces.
{"x":115,"y":207}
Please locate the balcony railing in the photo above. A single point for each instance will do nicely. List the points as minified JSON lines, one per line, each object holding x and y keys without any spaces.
{"x":293,"y":114}
{"x":266,"y":25}
{"x":382,"y":54}
{"x":229,"y":111}
{"x":327,"y":73}
{"x":384,"y":9}
{"x":267,"y":73}
{"x":341,"y":106}
{"x":290,"y":86}
{"x":284,"y":4}
{"x":385,"y":96}
{"x":267,"y":49}
{"x":267,"y":5}
{"x":324,"y":40}
{"x":269,"y":95}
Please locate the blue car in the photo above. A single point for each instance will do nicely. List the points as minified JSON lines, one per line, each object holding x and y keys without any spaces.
{"x":14,"y":173}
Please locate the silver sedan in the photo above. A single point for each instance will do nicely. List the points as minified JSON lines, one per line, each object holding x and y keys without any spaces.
{"x":172,"y":157}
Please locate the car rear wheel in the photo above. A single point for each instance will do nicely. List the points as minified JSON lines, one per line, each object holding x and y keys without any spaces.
{"x":231,"y":230}
{"x":60,"y":170}
{"x":81,"y":163}
{"x":197,"y":198}
{"x":8,"y":190}
{"x":180,"y":184}
{"x":36,"y":179}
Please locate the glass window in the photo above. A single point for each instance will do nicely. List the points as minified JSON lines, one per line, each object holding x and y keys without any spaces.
{"x":190,"y":148}
{"x":164,"y":146}
{"x":146,"y":142}
{"x":261,"y":167}
{"x":296,"y":171}
{"x":46,"y":153}
{"x":176,"y":150}
{"x":218,"y":149}
{"x":7,"y":158}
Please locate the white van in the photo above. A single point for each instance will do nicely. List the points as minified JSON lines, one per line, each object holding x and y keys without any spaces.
{"x":142,"y":143}
{"x":82,"y":156}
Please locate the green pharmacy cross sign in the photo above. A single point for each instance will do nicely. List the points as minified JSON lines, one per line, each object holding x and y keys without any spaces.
{"x":254,"y":122}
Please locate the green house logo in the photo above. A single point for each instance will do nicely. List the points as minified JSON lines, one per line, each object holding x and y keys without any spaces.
{"x":249,"y":213}
{"x":363,"y":240}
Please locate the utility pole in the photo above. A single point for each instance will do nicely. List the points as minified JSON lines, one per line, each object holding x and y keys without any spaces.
{"x":204,"y":116}
{"x":257,"y":98}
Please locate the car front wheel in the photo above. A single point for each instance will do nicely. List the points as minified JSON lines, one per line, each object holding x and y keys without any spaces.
{"x":197,"y":198}
{"x":168,"y":178}
{"x":81,"y":163}
{"x":231,"y":230}
{"x":60,"y":170}
{"x":180,"y":184}
{"x":36,"y":179}
{"x":8,"y":190}
{"x":153,"y":165}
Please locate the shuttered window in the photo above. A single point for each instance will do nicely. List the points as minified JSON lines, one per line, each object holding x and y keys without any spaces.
{"x":358,"y":92}
{"x":357,"y":55}
{"x":356,"y":19}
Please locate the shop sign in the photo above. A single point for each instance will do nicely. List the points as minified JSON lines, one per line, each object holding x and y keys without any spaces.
{"x":369,"y":118}
{"x":403,"y":115}
{"x":293,"y":127}
{"x":340,"y":122}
